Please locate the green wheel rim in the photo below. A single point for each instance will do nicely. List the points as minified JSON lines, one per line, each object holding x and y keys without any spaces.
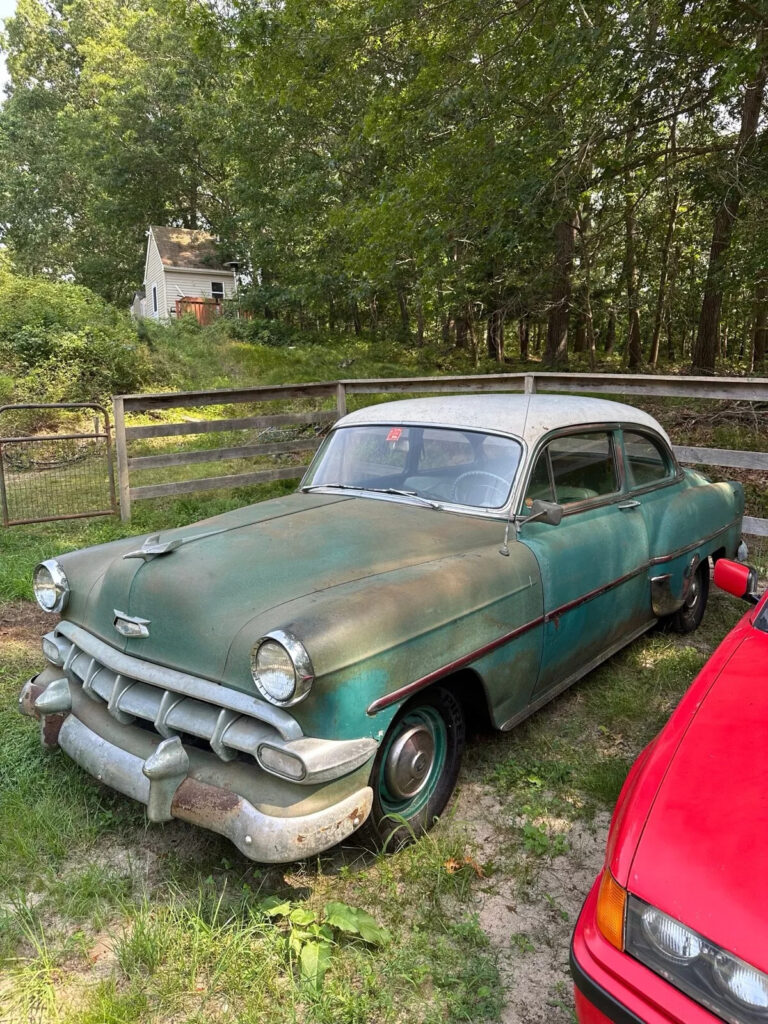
{"x":413,"y":761}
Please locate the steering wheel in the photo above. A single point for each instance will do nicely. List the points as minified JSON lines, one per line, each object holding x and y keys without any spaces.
{"x":491,"y":492}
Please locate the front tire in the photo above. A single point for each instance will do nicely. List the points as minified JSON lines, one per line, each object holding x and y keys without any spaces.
{"x":416,"y":768}
{"x":688,"y":618}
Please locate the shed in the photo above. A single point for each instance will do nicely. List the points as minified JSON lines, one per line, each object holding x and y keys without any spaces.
{"x":184,"y":272}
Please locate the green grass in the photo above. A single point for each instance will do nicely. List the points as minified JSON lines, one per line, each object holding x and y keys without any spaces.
{"x":105,"y":918}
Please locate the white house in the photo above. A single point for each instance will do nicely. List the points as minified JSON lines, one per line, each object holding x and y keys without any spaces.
{"x":182,"y":263}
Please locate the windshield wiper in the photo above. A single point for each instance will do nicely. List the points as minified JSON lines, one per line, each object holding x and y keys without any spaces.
{"x":374,"y":490}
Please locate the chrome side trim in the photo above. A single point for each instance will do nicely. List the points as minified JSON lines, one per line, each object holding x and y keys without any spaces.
{"x":554,"y":691}
{"x":419,"y":684}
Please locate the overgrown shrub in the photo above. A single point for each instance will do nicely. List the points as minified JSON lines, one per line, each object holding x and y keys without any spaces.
{"x":60,"y":342}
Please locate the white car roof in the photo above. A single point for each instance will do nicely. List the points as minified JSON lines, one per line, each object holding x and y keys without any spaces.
{"x":525,"y":416}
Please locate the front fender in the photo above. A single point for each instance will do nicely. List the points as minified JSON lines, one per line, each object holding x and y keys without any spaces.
{"x":371,"y":637}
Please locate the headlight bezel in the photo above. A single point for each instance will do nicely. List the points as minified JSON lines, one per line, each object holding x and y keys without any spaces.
{"x":59,"y":584}
{"x":303,"y":672}
{"x":700,"y":977}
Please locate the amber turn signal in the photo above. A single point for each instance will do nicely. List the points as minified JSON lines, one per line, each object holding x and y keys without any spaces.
{"x":611,"y":904}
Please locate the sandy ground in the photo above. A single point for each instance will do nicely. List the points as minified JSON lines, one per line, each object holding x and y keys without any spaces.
{"x":530,"y":926}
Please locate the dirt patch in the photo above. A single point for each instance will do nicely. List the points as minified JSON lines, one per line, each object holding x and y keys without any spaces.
{"x":530,"y":924}
{"x":24,"y":622}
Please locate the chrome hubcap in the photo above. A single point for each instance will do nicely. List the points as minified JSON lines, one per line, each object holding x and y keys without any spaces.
{"x":410,"y":762}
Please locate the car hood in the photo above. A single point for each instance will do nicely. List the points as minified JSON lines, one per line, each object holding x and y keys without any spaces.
{"x":702,"y":857}
{"x":249,"y":563}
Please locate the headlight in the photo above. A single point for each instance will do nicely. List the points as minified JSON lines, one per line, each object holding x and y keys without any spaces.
{"x":281,"y":668}
{"x":51,"y":586}
{"x":726,"y":985}
{"x":670,"y":937}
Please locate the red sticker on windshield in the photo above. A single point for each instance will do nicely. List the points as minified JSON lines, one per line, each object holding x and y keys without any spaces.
{"x":394,"y":434}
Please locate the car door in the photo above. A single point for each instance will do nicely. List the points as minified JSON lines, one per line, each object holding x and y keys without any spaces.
{"x":594,"y":563}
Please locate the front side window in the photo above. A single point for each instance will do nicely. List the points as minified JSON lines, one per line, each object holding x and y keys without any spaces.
{"x":574,"y":468}
{"x":154,"y":298}
{"x":461,"y":467}
{"x":646,"y":461}
{"x":217,"y":291}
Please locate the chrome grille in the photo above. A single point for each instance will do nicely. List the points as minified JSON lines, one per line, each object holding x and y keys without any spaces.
{"x":173,"y":702}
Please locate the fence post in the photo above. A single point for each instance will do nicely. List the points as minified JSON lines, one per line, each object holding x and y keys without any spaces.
{"x":3,"y":495}
{"x":123,"y":481}
{"x":341,"y":398}
{"x":530,"y":384}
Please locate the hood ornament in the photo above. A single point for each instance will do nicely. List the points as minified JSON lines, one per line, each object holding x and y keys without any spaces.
{"x":153,"y":547}
{"x":130,"y":626}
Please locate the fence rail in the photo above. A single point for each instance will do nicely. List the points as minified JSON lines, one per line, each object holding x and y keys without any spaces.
{"x":733,"y":389}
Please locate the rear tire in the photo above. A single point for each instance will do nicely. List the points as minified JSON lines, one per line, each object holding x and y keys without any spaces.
{"x":689,"y":617}
{"x":415,"y":770}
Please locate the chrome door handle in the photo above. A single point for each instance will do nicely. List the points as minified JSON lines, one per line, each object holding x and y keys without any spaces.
{"x":626,"y":505}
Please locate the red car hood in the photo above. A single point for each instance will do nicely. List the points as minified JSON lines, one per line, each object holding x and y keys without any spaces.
{"x":703,"y":854}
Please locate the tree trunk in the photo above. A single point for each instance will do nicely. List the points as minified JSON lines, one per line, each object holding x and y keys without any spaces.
{"x":610,"y":332}
{"x":523,"y":332}
{"x":585,"y":304}
{"x":356,"y":322}
{"x":419,"y":324}
{"x":556,"y":352}
{"x":494,"y":335}
{"x":580,"y":327}
{"x":472,"y":334}
{"x":670,"y":303}
{"x":634,"y":342}
{"x":705,"y":346}
{"x":462,"y":334}
{"x":405,"y":320}
{"x":445,"y":329}
{"x":653,"y":355}
{"x":760,"y":331}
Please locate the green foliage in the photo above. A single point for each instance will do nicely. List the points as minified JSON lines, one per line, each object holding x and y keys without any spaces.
{"x":403,"y":169}
{"x":311,"y":939}
{"x":60,"y":342}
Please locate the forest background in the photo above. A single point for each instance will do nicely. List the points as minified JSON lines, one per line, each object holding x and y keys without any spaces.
{"x":506,"y":178}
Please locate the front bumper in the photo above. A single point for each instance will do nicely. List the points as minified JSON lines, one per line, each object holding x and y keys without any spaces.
{"x":269,"y":819}
{"x":611,"y":986}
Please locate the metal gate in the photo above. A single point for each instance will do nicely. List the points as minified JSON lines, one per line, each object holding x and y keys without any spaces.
{"x":66,"y":474}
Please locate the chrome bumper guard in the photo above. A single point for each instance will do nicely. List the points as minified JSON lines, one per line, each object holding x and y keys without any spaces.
{"x":162,"y":781}
{"x":175,"y":703}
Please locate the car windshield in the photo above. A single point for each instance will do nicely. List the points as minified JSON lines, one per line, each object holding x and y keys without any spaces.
{"x":437,"y":464}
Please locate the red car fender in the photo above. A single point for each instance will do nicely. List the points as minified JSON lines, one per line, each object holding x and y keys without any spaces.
{"x":646,"y":775}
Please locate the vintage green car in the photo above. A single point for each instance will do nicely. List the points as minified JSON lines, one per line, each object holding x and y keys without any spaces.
{"x":284,"y":673}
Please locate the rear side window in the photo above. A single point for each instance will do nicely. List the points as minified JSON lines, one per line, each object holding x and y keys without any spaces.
{"x":574,"y":468}
{"x":647,"y":462}
{"x":583,"y":467}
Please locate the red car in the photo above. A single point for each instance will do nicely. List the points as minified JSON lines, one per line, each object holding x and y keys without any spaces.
{"x":676,"y":926}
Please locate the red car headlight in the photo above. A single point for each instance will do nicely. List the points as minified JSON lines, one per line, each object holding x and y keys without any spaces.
{"x":728,"y":986}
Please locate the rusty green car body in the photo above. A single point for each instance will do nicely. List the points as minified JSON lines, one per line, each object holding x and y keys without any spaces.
{"x":283,"y":672}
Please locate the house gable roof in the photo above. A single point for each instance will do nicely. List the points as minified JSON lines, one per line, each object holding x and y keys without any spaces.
{"x":187,"y":249}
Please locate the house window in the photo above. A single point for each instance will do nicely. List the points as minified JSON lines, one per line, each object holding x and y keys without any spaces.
{"x":217,"y":291}
{"x":154,"y":298}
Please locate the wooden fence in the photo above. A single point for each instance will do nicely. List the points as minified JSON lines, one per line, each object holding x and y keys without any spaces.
{"x":727,"y":389}
{"x":204,"y":310}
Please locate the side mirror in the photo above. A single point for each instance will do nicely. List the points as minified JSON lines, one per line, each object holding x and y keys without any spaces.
{"x":545,"y":512}
{"x":737,"y":579}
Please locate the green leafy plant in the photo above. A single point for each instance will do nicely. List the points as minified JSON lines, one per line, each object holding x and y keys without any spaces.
{"x":312,"y":937}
